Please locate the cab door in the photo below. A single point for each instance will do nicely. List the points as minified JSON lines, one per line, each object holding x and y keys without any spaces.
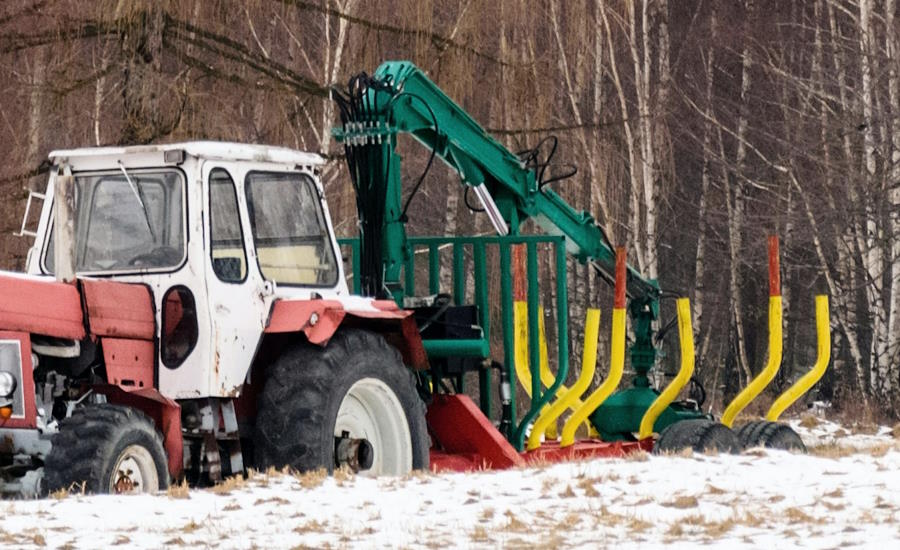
{"x":239,"y":299}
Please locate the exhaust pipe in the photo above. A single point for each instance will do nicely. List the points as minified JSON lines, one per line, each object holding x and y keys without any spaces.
{"x":64,"y":225}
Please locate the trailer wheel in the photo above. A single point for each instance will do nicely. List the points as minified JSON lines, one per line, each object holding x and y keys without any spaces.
{"x":107,"y":449}
{"x":772,"y":435}
{"x":351,"y":402}
{"x":699,"y":435}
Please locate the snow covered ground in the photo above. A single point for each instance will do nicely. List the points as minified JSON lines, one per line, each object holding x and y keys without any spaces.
{"x":844,"y":494}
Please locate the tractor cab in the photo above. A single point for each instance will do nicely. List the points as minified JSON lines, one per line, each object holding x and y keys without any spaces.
{"x":216,"y":231}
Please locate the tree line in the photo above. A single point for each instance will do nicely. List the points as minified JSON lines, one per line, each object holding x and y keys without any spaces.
{"x":698,"y":127}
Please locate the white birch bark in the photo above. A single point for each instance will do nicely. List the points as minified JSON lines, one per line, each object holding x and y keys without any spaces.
{"x":892,"y":37}
{"x":873,"y":260}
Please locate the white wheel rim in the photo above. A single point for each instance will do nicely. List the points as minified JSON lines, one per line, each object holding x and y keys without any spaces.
{"x":370,"y":410}
{"x":134,"y":472}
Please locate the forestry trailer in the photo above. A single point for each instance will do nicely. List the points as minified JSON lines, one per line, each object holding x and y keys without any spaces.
{"x":185,"y":314}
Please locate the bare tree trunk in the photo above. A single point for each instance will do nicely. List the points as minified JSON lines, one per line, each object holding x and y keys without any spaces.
{"x":873,"y":261}
{"x":700,"y":260}
{"x":893,"y":55}
{"x":735,"y":207}
{"x":629,"y":140}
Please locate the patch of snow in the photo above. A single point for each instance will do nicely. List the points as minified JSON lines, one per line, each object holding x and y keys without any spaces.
{"x":761,"y":499}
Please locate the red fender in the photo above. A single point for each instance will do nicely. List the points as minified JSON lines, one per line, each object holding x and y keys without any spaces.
{"x":320,"y":319}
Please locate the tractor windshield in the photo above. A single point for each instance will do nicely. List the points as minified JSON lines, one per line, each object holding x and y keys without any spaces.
{"x":292,"y":242}
{"x":125,"y":226}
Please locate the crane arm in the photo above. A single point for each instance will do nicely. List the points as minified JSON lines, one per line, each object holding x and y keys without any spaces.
{"x":400,"y":98}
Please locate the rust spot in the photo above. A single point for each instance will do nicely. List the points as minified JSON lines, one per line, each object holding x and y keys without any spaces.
{"x":6,"y":445}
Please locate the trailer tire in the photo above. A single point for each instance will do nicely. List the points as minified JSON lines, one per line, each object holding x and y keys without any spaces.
{"x":357,"y":383}
{"x":699,"y":435}
{"x":771,"y":435}
{"x":107,"y":449}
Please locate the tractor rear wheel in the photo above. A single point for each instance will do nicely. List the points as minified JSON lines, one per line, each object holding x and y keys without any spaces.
{"x":107,"y":449}
{"x":772,"y":435}
{"x":699,"y":435}
{"x":351,"y":402}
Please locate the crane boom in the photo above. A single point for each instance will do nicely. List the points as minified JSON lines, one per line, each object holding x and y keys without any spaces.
{"x":400,"y":98}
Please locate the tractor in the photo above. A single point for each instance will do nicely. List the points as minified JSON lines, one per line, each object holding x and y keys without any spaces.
{"x":185,"y":314}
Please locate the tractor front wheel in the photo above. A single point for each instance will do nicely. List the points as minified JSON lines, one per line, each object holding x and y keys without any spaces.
{"x":107,"y":449}
{"x":352,"y":403}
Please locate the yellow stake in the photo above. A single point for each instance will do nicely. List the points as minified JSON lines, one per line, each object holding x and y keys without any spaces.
{"x":616,"y":366}
{"x":588,"y":364}
{"x":523,"y":373}
{"x":686,"y":337}
{"x":801,"y":386}
{"x":758,"y":384}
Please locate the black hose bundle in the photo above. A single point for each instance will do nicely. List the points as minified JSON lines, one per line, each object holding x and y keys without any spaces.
{"x":369,"y":175}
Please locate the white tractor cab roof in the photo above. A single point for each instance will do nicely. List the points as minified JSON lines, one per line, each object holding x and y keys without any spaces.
{"x":159,"y":155}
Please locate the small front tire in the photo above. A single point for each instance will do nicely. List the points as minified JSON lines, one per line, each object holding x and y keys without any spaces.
{"x":107,"y":449}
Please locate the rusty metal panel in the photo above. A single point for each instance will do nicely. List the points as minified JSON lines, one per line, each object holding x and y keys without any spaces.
{"x":121,"y":310}
{"x":40,"y":305}
{"x":129,"y":363}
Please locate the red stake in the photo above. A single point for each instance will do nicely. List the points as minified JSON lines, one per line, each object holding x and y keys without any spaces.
{"x":774,"y":267}
{"x":619,"y":302}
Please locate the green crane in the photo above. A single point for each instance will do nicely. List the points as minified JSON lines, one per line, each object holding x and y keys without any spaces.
{"x":400,"y":99}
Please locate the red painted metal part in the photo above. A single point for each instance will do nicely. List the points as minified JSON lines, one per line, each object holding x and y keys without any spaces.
{"x":774,"y":267}
{"x":585,"y":449}
{"x":166,"y":414}
{"x":467,"y":441}
{"x":26,"y":382}
{"x":120,"y":310}
{"x":621,"y":263}
{"x":461,"y":431}
{"x":40,"y":306}
{"x":129,"y":363}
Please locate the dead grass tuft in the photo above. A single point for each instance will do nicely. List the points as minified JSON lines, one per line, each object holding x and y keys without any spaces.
{"x":637,"y":456}
{"x":190,"y":527}
{"x":311,"y":526}
{"x":587,"y":485}
{"x":479,"y":534}
{"x":179,"y":491}
{"x":312,"y":478}
{"x":675,"y":530}
{"x":837,"y":493}
{"x":809,"y":421}
{"x":120,"y":540}
{"x":682,"y":502}
{"x":713,"y":490}
{"x":568,"y":493}
{"x":487,"y":514}
{"x":229,"y":484}
{"x":38,"y":540}
{"x":796,"y":515}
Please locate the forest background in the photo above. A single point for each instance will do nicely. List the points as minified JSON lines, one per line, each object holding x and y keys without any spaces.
{"x":698,"y":128}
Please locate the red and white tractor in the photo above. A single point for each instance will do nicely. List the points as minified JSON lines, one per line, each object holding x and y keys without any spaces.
{"x":171,"y":297}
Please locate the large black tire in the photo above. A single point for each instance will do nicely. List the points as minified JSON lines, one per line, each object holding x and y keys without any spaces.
{"x":772,"y":435}
{"x":700,"y":435}
{"x":304,"y":390}
{"x":100,"y":446}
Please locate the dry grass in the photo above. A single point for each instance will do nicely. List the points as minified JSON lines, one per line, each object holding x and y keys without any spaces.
{"x":637,"y":456}
{"x":311,"y":479}
{"x":587,"y":486}
{"x":311,"y":526}
{"x":682,"y":502}
{"x":179,"y":491}
{"x":479,"y":534}
{"x":229,"y":484}
{"x":809,"y":421}
{"x":796,"y":515}
{"x":568,"y":493}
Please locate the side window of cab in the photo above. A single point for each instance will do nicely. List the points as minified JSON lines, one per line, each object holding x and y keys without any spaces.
{"x":229,"y":260}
